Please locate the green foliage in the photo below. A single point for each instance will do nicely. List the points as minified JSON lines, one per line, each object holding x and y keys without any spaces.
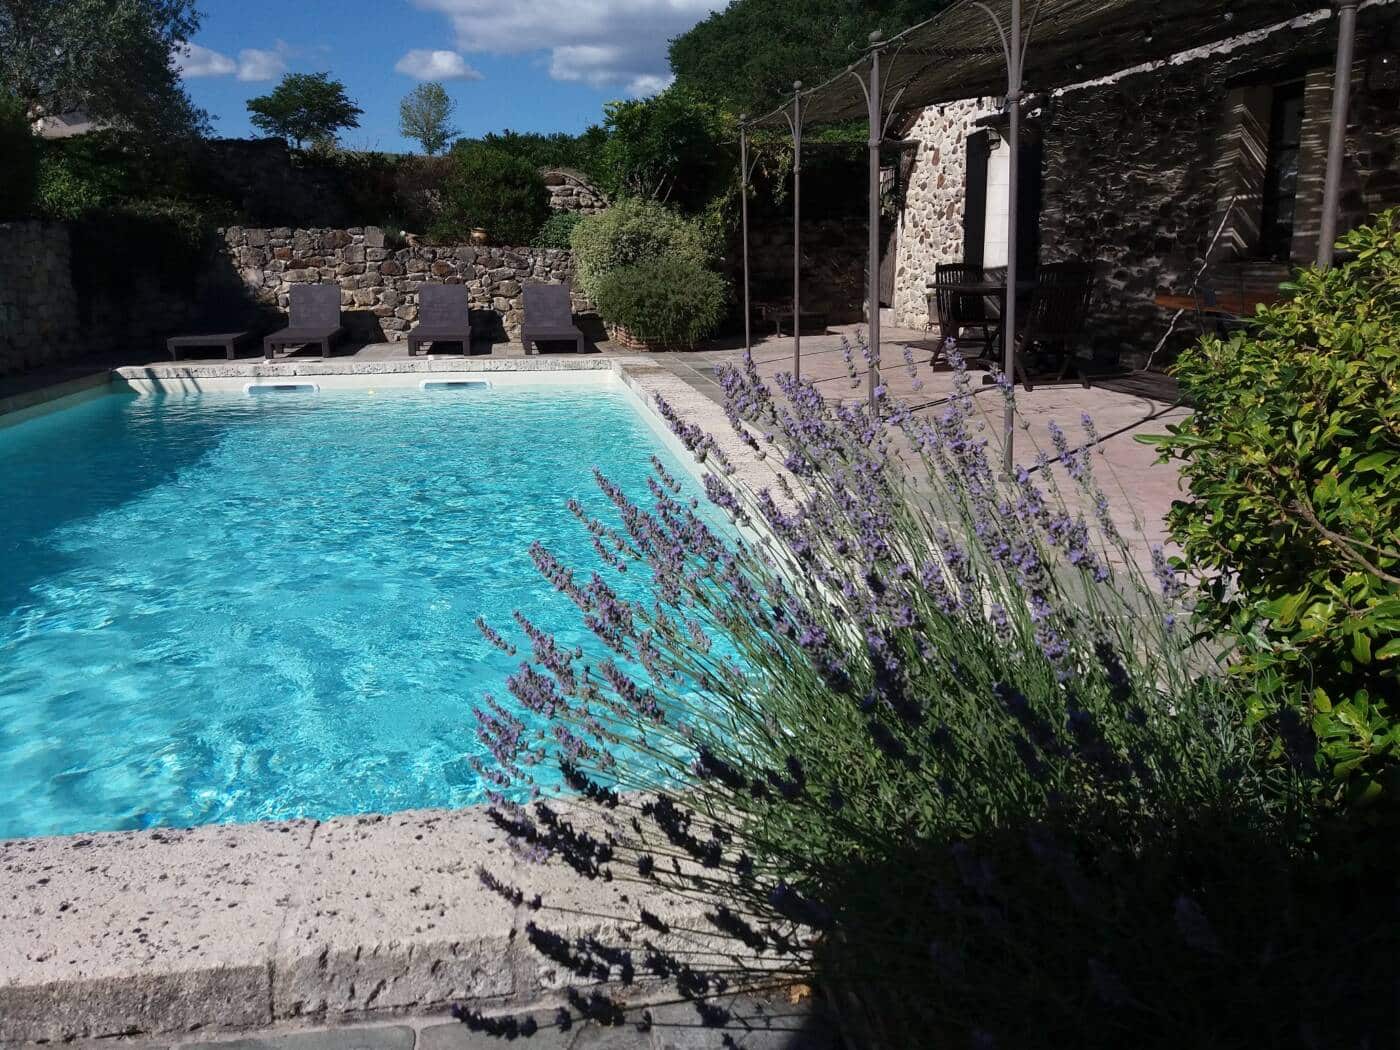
{"x":1292,"y":460}
{"x":634,"y":231}
{"x":305,"y":106}
{"x":425,"y":115}
{"x":501,"y":194}
{"x":748,"y":54}
{"x":110,"y":60}
{"x":581,"y":152}
{"x":557,"y":229}
{"x":666,"y":148}
{"x":670,"y":301}
{"x":19,"y":160}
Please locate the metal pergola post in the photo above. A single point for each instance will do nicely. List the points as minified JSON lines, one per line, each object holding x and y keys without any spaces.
{"x":872,"y":283}
{"x":744,"y":224}
{"x":1337,"y":132}
{"x":1013,"y":49}
{"x":795,"y":123}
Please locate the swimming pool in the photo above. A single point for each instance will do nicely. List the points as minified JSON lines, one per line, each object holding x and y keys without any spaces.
{"x":222,"y":607}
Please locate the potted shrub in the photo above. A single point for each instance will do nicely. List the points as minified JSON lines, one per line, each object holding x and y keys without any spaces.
{"x":669,"y":302}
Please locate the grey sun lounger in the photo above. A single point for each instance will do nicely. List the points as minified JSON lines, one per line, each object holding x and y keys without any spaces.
{"x":443,"y":317}
{"x":549,"y":316}
{"x":313,"y":316}
{"x":228,"y":340}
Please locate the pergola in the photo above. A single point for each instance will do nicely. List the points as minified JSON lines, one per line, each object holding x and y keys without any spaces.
{"x":975,"y":49}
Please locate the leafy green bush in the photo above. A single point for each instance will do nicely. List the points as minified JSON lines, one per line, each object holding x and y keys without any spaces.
{"x":1292,"y":459}
{"x":630,"y":232}
{"x":501,"y":194}
{"x":557,"y":229}
{"x":665,"y":148}
{"x":67,"y":192}
{"x":19,"y":160}
{"x":669,"y":301}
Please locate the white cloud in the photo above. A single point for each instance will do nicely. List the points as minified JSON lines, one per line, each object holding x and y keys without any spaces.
{"x":194,"y":60}
{"x":436,"y":65}
{"x":257,"y":64}
{"x":601,"y":43}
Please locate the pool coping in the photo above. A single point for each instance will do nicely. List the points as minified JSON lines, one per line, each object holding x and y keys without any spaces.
{"x":232,"y":927}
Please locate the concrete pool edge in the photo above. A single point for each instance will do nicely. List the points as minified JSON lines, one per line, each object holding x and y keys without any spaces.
{"x":242,"y":927}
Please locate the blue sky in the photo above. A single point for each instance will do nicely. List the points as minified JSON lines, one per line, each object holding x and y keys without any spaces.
{"x":531,"y":65}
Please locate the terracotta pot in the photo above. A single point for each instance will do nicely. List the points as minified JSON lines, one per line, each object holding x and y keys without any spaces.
{"x":480,"y":236}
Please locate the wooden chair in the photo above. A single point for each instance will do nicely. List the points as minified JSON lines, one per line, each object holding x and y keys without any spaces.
{"x":960,"y":315}
{"x":1055,"y":319}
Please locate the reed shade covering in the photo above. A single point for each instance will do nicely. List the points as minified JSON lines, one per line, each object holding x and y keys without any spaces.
{"x":957,"y":54}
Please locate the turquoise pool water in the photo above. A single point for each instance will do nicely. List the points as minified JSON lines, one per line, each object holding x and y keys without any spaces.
{"x":228,"y":608}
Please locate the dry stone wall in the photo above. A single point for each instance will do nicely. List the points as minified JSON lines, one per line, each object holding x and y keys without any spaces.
{"x":379,"y":278}
{"x":48,"y":318}
{"x":570,"y":190}
{"x":38,"y":307}
{"x":931,"y":223}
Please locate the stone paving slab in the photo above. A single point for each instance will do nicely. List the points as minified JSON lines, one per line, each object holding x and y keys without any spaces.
{"x":140,"y":931}
{"x":390,"y":914}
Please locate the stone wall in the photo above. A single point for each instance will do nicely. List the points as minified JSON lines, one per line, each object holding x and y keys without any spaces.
{"x":833,"y":268}
{"x":1139,"y":175}
{"x":379,"y":278}
{"x":38,"y":308}
{"x":47,"y":317}
{"x":931,"y":223}
{"x":1139,"y":172}
{"x":570,"y":190}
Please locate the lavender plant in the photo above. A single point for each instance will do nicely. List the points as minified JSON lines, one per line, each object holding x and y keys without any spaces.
{"x":919,"y":734}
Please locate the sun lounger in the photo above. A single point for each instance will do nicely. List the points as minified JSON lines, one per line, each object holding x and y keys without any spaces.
{"x":443,"y":317}
{"x":549,"y":317}
{"x":312,"y":317}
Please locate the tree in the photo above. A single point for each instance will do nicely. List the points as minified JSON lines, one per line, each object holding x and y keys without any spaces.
{"x":747,"y":55}
{"x":305,"y":106}
{"x":665,"y":148}
{"x":494,"y":191}
{"x":111,"y":59}
{"x":424,"y":114}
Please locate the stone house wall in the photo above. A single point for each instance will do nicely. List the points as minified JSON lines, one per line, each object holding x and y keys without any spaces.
{"x":1139,"y":172}
{"x":379,"y":279}
{"x":931,"y":223}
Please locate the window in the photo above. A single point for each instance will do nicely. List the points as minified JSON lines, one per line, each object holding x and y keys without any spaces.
{"x":1281,"y":172}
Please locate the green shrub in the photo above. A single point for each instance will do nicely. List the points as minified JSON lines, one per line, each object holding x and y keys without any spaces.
{"x":1292,"y":460}
{"x":557,"y":229}
{"x":630,"y":232}
{"x":665,"y":148}
{"x":66,"y":192}
{"x":19,"y":160}
{"x":669,"y":300}
{"x":501,"y":194}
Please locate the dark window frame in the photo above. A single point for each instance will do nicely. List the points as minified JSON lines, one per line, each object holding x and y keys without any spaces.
{"x":1278,"y":192}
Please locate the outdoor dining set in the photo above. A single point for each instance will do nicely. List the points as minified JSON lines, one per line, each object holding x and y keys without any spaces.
{"x":966,"y":304}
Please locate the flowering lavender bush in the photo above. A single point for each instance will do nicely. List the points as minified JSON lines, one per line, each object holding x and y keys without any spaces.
{"x":919,"y":734}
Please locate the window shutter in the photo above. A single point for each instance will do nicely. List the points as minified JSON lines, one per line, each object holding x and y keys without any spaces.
{"x":979,"y":145}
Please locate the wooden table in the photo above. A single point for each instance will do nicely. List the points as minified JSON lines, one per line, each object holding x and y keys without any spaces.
{"x":1230,"y":304}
